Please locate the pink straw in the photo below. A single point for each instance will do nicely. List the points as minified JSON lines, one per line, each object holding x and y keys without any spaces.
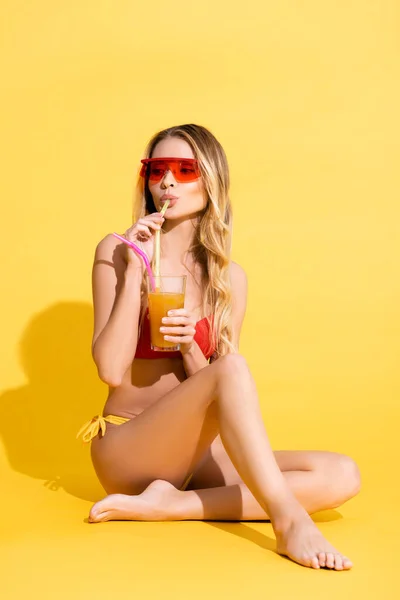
{"x":143,"y":255}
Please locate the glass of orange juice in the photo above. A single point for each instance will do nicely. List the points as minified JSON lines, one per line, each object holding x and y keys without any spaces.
{"x":169,"y":294}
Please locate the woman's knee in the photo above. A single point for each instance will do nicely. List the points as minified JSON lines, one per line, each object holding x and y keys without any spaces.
{"x":348,"y":478}
{"x":231,"y":363}
{"x":352,"y":474}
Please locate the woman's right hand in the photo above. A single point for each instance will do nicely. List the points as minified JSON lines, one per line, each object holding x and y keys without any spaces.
{"x":142,"y":233}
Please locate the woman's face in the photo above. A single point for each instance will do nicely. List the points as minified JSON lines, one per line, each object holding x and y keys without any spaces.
{"x":189,"y":199}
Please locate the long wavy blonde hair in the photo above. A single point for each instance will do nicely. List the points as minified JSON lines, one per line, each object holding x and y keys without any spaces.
{"x":211,"y":246}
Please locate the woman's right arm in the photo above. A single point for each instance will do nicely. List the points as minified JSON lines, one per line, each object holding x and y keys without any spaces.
{"x":116,"y":301}
{"x":117,"y":277}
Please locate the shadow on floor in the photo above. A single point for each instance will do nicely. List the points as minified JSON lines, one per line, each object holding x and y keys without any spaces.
{"x":40,"y":419}
{"x":262,"y":540}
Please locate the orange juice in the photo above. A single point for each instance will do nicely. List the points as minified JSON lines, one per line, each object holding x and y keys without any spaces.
{"x":159,"y":305}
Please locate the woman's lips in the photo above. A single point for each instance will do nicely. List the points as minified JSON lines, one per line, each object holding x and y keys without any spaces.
{"x":172,"y":202}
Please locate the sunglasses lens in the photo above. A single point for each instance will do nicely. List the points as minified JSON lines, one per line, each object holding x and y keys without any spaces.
{"x":186,"y":171}
{"x":156,"y":170}
{"x":182,"y":170}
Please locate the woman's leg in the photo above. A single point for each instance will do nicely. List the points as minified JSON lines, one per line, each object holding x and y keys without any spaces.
{"x":320,"y":480}
{"x":177,"y":424}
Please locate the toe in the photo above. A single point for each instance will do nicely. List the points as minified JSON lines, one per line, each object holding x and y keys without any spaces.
{"x":95,"y":511}
{"x":315,"y":562}
{"x":330,"y":561}
{"x":322,"y":559}
{"x":94,"y":517}
{"x":96,"y":514}
{"x":104,"y":516}
{"x":305,"y":560}
{"x":347,"y":564}
{"x":338,"y":562}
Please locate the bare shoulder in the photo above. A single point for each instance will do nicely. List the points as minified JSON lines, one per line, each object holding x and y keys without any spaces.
{"x":110,"y":251}
{"x":238,"y":277}
{"x":107,"y":245}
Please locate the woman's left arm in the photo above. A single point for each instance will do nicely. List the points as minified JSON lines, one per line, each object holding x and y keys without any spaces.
{"x":239,"y":303}
{"x":193,"y":358}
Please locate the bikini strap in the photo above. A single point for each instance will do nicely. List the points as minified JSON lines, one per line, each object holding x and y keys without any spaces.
{"x":90,"y":429}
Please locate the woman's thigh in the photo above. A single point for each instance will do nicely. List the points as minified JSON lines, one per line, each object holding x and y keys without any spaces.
{"x":165,"y":441}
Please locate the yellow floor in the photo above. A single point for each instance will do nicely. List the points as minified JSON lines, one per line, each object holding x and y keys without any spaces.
{"x":304,"y":98}
{"x":50,"y":551}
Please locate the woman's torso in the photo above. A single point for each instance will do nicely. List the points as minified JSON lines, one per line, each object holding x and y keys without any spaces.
{"x":145,"y":382}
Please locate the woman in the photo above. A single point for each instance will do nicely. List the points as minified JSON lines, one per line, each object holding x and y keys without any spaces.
{"x":184,"y":437}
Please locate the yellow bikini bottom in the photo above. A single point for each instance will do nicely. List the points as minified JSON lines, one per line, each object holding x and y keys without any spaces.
{"x":90,"y":429}
{"x":98,"y":423}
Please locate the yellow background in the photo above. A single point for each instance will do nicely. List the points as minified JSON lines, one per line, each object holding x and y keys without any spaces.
{"x":304,"y":98}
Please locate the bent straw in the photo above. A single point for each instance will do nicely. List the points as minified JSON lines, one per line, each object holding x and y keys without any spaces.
{"x":157,"y":249}
{"x":143,"y":255}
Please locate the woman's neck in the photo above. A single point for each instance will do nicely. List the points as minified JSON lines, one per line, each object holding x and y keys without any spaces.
{"x":177,"y":239}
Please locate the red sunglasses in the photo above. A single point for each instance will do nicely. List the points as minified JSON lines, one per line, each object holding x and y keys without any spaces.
{"x":183,"y":169}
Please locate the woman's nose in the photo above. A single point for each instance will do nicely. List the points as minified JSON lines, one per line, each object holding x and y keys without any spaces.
{"x":168,"y":179}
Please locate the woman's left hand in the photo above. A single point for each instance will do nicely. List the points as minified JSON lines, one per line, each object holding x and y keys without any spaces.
{"x":179,"y":327}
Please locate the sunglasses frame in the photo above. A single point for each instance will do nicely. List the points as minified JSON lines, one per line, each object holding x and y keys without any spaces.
{"x":192,"y":161}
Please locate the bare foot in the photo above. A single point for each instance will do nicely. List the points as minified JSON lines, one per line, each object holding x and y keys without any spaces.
{"x":297,"y":536}
{"x":301,"y":540}
{"x":154,"y":504}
